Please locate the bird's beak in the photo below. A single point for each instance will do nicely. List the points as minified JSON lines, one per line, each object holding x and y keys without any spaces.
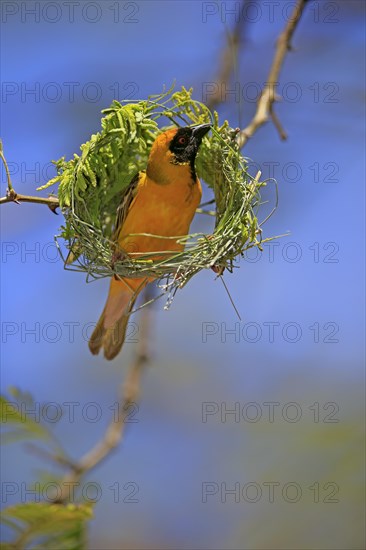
{"x":200,"y":130}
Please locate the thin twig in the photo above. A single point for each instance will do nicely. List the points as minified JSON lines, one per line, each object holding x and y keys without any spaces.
{"x":59,"y":459}
{"x":129,"y":395}
{"x":229,"y":59}
{"x":268,"y":95}
{"x":277,"y":123}
{"x":10,"y":187}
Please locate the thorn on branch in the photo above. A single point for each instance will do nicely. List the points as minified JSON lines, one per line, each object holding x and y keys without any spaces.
{"x":53,"y":208}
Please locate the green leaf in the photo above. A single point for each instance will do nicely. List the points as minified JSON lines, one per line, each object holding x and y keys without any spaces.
{"x":49,"y":183}
{"x":18,"y":414}
{"x":47,"y":526}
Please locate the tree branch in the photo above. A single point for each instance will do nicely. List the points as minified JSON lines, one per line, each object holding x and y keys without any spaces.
{"x":129,"y":394}
{"x":268,"y":95}
{"x":13,"y":196}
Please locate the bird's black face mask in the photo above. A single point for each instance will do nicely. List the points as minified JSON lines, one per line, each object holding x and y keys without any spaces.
{"x":185,"y":144}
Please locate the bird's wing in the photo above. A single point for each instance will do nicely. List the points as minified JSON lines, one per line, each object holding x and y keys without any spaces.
{"x":126,"y":202}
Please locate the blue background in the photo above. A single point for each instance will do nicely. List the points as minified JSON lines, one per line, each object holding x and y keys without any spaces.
{"x":131,"y":50}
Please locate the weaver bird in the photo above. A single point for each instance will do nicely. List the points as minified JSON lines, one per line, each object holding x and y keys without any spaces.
{"x":160,"y":200}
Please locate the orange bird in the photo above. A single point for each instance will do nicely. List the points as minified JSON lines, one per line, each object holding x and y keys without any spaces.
{"x":160,"y":200}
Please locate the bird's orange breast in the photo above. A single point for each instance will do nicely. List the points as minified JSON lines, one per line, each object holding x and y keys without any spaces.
{"x":160,"y":210}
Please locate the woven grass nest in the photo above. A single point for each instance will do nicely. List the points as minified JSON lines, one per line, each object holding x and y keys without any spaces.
{"x":91,"y":186}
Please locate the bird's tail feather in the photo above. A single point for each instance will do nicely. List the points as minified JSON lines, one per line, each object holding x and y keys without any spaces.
{"x":110,"y":331}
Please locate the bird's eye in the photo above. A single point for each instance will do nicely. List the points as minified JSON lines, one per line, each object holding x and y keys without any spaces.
{"x":182,"y":140}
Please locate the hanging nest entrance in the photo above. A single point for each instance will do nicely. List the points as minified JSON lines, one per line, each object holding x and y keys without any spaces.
{"x":91,"y":186}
